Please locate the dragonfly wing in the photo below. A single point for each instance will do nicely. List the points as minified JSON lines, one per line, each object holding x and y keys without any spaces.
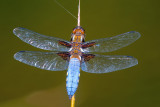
{"x":43,"y":60}
{"x":108,"y":63}
{"x":112,"y":43}
{"x":40,"y":41}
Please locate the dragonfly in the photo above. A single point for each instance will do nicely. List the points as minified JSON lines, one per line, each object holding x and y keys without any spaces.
{"x":76,"y":54}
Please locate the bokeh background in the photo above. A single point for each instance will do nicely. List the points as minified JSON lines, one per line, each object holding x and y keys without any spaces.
{"x":25,"y":86}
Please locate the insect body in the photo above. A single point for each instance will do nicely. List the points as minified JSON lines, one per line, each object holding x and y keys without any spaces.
{"x":75,"y":60}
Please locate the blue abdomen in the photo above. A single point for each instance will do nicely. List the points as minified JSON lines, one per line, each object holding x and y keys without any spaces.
{"x":72,"y":76}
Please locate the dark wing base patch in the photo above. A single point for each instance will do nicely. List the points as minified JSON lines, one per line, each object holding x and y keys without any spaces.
{"x":87,"y":57}
{"x":64,"y":55}
{"x":88,"y":45}
{"x":65,"y":44}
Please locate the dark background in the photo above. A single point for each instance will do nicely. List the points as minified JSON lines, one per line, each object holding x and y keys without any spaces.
{"x":25,"y":86}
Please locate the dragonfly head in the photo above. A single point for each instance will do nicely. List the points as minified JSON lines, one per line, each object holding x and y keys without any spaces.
{"x":78,"y":31}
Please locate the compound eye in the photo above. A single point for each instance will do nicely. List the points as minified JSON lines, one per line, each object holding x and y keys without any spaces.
{"x":78,"y":29}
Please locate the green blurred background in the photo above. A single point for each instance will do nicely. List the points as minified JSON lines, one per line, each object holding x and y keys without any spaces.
{"x":25,"y":86}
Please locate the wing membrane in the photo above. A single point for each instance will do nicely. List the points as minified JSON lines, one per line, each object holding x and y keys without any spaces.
{"x":112,"y":43}
{"x":43,"y":60}
{"x":40,"y":41}
{"x":108,"y":63}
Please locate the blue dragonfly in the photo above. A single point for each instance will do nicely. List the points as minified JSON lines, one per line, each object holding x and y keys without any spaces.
{"x":75,"y":54}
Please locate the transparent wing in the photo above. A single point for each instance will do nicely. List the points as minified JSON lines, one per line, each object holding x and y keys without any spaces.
{"x":112,"y":43}
{"x":108,"y":63}
{"x":43,"y":60}
{"x":40,"y":41}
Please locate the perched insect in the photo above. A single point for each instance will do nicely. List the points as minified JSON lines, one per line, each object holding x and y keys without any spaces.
{"x":75,"y":54}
